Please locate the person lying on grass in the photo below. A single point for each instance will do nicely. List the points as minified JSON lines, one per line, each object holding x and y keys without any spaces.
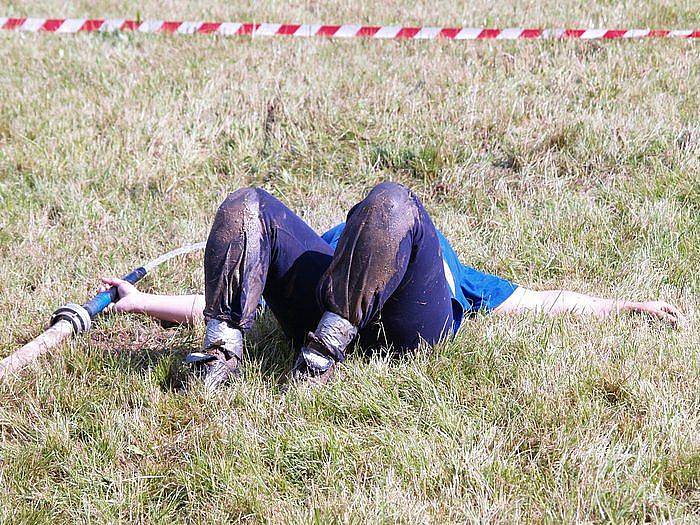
{"x":386,"y":278}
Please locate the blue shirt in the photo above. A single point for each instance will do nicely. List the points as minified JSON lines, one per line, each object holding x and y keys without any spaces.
{"x":471,"y":289}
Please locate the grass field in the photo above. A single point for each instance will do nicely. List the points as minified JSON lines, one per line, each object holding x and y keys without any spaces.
{"x":554,"y":164}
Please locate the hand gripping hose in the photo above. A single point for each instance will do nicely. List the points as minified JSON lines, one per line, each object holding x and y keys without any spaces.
{"x":74,"y":319}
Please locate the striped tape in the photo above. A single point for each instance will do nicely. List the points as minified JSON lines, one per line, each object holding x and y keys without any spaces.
{"x":76,"y":25}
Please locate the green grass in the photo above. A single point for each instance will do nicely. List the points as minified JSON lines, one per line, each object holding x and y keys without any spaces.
{"x":555,"y":164}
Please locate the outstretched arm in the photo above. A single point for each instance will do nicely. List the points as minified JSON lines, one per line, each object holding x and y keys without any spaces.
{"x":182,"y":309}
{"x":554,"y":302}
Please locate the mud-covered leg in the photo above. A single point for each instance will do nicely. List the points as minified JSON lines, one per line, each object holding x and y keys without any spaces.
{"x":236,"y":261}
{"x":386,"y":269}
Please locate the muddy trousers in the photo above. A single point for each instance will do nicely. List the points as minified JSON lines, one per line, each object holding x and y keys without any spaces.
{"x":386,"y":276}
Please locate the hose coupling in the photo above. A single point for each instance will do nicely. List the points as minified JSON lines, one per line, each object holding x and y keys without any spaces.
{"x":73,"y":313}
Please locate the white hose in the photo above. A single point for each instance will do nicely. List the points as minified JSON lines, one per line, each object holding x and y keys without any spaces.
{"x":167,"y":256}
{"x":30,"y":352}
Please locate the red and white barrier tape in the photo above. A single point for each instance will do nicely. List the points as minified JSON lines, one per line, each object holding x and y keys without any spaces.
{"x":76,"y":25}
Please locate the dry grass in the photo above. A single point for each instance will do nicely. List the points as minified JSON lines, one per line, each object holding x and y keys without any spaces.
{"x":566,"y":164}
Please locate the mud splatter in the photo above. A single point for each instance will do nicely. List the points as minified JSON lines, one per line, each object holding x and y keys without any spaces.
{"x":372,"y":254}
{"x":234,"y":266}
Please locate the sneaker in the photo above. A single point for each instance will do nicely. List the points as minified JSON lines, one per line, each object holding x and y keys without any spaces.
{"x":220,"y":360}
{"x":216,"y":366}
{"x":313,"y":366}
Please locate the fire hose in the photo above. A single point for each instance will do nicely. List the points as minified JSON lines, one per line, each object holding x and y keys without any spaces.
{"x":73,"y":319}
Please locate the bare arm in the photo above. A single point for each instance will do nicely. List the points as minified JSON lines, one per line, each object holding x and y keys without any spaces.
{"x":554,"y":302}
{"x":182,"y":309}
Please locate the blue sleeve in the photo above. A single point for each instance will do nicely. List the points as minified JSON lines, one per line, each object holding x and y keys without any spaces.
{"x":474,"y":290}
{"x":484,"y":291}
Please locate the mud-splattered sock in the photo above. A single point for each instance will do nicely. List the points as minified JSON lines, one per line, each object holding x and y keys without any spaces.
{"x":334,"y":333}
{"x":222,"y":335}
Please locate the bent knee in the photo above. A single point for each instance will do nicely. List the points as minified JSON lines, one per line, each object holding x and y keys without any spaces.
{"x":250,"y":199}
{"x":390,"y":197}
{"x":238,"y":212}
{"x":242,"y":197}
